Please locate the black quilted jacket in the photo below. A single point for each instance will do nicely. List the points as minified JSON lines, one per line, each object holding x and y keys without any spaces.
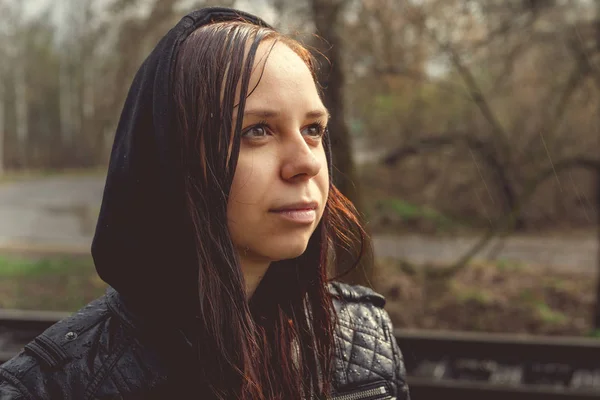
{"x":101,"y":353}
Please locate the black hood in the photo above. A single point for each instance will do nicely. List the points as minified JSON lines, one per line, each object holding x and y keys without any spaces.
{"x":143,"y":244}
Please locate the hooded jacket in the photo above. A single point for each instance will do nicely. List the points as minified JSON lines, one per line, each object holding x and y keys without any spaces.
{"x":114,"y":348}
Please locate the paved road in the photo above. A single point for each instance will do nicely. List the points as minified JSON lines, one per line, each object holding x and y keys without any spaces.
{"x":57,"y":210}
{"x":61,"y":211}
{"x":561,"y":253}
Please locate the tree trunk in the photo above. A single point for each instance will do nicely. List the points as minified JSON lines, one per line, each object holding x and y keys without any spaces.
{"x":65,"y":100}
{"x":21,"y":111}
{"x":2,"y":120}
{"x":597,"y":308}
{"x":328,"y":18}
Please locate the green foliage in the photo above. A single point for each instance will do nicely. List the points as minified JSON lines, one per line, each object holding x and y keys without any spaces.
{"x":594,"y":333}
{"x":48,"y":283}
{"x":34,"y":174}
{"x":527,"y":296}
{"x":548,"y":315}
{"x":557,"y":284}
{"x":475,"y":296}
{"x":407,"y":211}
{"x":541,"y":310}
{"x":508,"y":265}
{"x":11,"y":267}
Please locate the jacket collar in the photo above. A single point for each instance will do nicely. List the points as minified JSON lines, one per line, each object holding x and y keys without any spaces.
{"x":163,"y":333}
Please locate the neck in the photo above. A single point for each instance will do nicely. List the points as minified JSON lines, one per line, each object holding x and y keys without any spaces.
{"x":253,"y":271}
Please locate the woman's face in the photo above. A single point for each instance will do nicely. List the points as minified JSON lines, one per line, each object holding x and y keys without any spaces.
{"x":281,"y":182}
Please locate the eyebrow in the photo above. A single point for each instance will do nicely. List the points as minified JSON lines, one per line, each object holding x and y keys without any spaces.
{"x":313,"y":114}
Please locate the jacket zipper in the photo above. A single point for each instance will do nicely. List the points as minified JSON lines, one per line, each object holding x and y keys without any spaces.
{"x":377,"y":393}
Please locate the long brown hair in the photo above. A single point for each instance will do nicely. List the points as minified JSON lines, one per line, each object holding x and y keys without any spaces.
{"x":280,"y":345}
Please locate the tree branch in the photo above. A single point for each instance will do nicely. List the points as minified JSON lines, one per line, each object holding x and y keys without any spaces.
{"x":486,"y":151}
{"x":507,"y":224}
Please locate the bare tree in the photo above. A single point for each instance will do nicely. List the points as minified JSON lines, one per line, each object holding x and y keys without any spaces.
{"x":328,"y":16}
{"x":329,"y":21}
{"x":3,"y":95}
{"x":520,"y":162}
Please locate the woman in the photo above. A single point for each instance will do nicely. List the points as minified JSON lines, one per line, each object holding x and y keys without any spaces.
{"x":215,"y":233}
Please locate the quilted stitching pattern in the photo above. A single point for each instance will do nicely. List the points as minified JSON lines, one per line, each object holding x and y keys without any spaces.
{"x":367,"y":351}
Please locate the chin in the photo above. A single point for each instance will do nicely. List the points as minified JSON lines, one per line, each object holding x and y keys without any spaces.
{"x":286,"y":251}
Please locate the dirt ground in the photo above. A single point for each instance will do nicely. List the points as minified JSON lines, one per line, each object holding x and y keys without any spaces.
{"x":490,"y":297}
{"x":494,"y":297}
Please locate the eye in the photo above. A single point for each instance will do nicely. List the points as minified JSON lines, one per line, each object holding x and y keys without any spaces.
{"x":314,"y":130}
{"x":256,"y":131}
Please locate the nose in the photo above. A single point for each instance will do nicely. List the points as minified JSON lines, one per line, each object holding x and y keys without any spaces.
{"x":300,"y":161}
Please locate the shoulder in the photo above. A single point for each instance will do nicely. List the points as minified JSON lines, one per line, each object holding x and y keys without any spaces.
{"x":359,"y":308}
{"x":367,"y":352}
{"x":356,"y":294}
{"x":46,"y":365}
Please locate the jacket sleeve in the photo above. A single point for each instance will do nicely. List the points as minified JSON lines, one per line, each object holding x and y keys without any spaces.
{"x":9,"y":392}
{"x":403,"y":392}
{"x":22,"y":378}
{"x":8,"y":389}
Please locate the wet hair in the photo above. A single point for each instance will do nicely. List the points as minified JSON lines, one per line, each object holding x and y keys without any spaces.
{"x":280,"y":344}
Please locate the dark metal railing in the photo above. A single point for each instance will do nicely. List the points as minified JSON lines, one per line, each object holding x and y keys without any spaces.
{"x":490,"y":366}
{"x":439,"y":364}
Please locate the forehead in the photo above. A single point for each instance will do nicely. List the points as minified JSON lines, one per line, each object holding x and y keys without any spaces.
{"x":279,"y":76}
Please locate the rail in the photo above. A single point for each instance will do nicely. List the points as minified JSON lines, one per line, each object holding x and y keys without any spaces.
{"x":439,"y":364}
{"x":499,"y":366}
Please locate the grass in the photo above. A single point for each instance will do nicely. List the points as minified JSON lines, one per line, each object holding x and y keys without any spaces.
{"x":490,"y":297}
{"x":509,"y":265}
{"x":595,"y":333}
{"x":50,"y":283}
{"x":548,"y":315}
{"x":474,"y":295}
{"x":14,"y":267}
{"x":30,"y":174}
{"x":406,"y":212}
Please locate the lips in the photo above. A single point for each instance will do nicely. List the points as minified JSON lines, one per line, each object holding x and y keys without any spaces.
{"x":302,"y":213}
{"x":300,"y":206}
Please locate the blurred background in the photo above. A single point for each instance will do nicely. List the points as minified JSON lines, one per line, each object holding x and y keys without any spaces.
{"x":466,"y":132}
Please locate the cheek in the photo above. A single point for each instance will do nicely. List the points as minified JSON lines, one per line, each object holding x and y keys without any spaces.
{"x":323,"y":177}
{"x":245,"y":178}
{"x":237,"y":209}
{"x":323,"y":183}
{"x":250,"y":187}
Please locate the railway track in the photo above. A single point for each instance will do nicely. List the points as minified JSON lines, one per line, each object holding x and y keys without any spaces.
{"x":18,"y":327}
{"x":494,"y":366}
{"x":25,"y":320}
{"x":439,"y":364}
